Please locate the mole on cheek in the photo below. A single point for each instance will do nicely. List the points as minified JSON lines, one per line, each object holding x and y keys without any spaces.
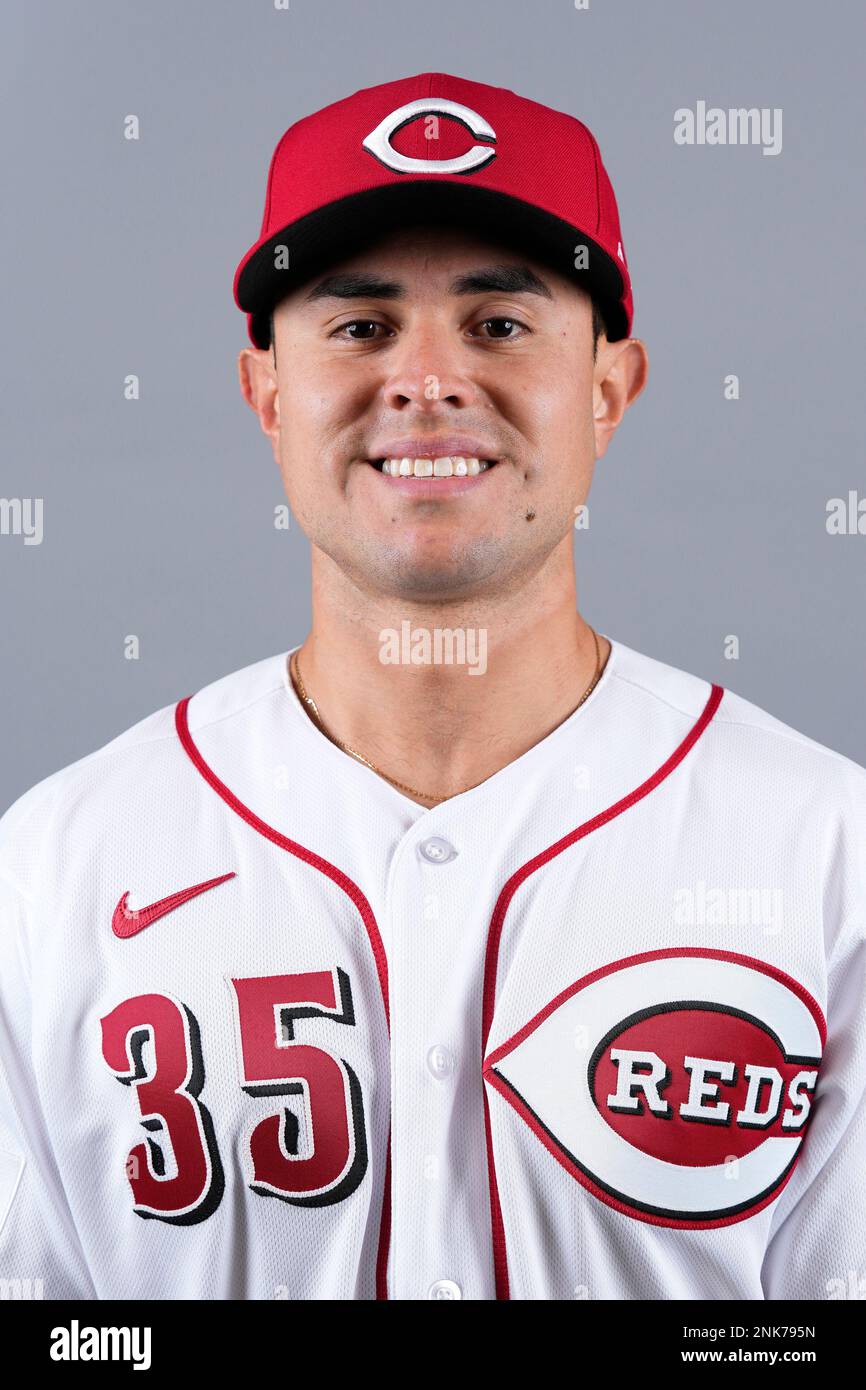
{"x":530,"y":516}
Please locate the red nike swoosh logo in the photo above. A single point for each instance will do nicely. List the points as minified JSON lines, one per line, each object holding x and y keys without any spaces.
{"x":128,"y":921}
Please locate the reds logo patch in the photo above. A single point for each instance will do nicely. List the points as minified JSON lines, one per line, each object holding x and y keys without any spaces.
{"x":378,"y":142}
{"x":676,"y":1086}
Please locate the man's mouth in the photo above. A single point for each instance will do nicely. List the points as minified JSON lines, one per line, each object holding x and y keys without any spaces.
{"x":449,"y":466}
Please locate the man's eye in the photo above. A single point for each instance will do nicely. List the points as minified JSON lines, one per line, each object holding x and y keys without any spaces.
{"x":360,"y":330}
{"x":501,"y":327}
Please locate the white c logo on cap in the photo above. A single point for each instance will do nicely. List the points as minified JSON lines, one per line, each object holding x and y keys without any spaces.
{"x":378,"y":142}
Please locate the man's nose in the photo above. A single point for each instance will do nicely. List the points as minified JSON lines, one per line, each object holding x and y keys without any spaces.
{"x":429,"y":365}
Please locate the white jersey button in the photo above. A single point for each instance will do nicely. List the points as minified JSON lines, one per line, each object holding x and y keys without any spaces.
{"x":436,"y":850}
{"x":445,"y":1288}
{"x":440,"y":1061}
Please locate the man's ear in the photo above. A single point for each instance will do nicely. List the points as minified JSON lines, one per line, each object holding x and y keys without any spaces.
{"x":620,"y":374}
{"x":258,"y":383}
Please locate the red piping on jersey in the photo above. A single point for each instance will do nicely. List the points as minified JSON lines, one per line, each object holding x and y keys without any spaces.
{"x":494,"y":937}
{"x":352,"y":891}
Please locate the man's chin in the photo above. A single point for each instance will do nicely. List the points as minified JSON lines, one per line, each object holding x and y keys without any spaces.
{"x":461,"y":572}
{"x":411,"y":572}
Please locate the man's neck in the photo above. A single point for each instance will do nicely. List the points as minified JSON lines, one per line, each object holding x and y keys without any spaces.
{"x":441,"y":697}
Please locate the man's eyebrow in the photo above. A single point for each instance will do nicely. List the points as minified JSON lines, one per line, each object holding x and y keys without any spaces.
{"x":499,"y":279}
{"x":502,"y":279}
{"x":355,"y":285}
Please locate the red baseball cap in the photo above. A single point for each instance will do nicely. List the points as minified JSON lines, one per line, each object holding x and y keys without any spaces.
{"x":436,"y":149}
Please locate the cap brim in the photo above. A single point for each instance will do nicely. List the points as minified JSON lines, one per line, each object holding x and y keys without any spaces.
{"x":350,"y":224}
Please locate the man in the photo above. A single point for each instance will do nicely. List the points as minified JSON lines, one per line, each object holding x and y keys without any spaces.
{"x":462,"y":952}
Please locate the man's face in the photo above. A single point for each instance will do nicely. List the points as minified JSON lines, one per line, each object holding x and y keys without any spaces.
{"x":434,"y":344}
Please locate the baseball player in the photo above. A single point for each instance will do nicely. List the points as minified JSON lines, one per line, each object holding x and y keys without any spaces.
{"x":461,"y":952}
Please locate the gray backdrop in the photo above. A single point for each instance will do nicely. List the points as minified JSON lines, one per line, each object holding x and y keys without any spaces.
{"x":708,"y":515}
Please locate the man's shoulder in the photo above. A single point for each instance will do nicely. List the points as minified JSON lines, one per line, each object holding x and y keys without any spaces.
{"x":754,"y":741}
{"x":126,"y":768}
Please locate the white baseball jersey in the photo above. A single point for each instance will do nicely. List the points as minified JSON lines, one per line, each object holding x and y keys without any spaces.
{"x":594,"y":1029}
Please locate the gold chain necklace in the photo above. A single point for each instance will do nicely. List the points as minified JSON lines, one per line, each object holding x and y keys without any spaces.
{"x":312,"y":708}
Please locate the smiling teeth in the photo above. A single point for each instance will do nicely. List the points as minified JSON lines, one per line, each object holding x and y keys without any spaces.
{"x":449,"y":467}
